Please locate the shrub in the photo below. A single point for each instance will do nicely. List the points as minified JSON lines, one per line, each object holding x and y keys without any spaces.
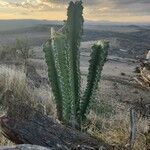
{"x":20,"y":50}
{"x":15,"y":81}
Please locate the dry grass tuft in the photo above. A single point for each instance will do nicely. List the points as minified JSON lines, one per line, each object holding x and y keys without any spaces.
{"x":44,"y":96}
{"x":115,"y":129}
{"x":4,"y":141}
{"x":15,"y":81}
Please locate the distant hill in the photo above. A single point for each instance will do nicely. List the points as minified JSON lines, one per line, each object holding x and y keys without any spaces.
{"x":107,"y":22}
{"x":125,"y":40}
{"x":6,"y":25}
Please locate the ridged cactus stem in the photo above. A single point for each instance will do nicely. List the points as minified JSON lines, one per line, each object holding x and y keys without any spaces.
{"x":98,"y":58}
{"x":63,"y":60}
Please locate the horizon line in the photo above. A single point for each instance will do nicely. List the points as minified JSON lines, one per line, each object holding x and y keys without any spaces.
{"x":86,"y":20}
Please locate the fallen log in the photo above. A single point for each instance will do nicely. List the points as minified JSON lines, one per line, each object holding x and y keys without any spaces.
{"x":26,"y":125}
{"x":24,"y":147}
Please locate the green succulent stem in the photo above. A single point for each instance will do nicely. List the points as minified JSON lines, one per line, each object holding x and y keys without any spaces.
{"x":96,"y":63}
{"x":62,"y":56}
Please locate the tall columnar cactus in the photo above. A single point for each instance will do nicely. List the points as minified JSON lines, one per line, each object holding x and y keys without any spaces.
{"x":63,"y":61}
{"x":74,"y":30}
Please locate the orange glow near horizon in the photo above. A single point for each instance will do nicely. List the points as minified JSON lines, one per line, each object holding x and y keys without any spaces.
{"x":40,"y":16}
{"x":62,"y":16}
{"x":98,"y":11}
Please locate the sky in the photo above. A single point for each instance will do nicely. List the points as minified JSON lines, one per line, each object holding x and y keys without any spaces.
{"x":96,"y":10}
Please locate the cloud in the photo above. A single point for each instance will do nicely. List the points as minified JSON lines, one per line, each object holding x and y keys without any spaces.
{"x":116,"y":8}
{"x":3,"y":4}
{"x":137,"y":7}
{"x":95,"y":2}
{"x":112,"y":7}
{"x":33,"y":5}
{"x":127,"y":2}
{"x":93,"y":8}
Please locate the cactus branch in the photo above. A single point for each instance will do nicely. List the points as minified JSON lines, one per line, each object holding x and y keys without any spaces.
{"x":98,"y":58}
